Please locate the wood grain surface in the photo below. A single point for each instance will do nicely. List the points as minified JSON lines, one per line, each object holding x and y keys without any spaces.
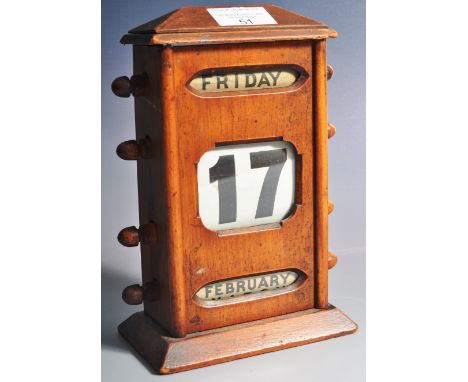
{"x":170,"y":355}
{"x":321,"y":174}
{"x":175,"y":125}
{"x":202,"y":123}
{"x":195,"y":26}
{"x":180,"y":127}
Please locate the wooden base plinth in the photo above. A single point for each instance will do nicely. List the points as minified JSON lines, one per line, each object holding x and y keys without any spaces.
{"x":170,"y":355}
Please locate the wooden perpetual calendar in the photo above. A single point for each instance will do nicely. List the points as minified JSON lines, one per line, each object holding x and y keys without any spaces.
{"x":231,"y":150}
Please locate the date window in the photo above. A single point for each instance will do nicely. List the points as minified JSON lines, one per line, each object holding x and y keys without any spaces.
{"x":246,"y":185}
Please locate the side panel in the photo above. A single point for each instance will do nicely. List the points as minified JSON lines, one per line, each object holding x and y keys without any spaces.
{"x":152,"y":188}
{"x":321,"y":173}
{"x":174,"y":183}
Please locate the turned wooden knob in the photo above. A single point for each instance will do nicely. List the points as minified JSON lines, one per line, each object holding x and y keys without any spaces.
{"x":329,"y":72}
{"x":331,"y":130}
{"x":128,"y":150}
{"x":331,"y":206}
{"x":135,"y":294}
{"x":332,"y":260}
{"x":133,"y":150}
{"x":129,"y":237}
{"x":124,"y":86}
{"x":132,"y":236}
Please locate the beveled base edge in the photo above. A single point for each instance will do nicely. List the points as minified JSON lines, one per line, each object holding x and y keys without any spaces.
{"x":170,"y":355}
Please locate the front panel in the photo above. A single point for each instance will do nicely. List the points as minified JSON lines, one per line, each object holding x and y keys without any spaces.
{"x":244,"y":132}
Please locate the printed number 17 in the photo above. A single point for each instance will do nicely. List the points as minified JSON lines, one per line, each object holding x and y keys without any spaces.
{"x":224,"y":172}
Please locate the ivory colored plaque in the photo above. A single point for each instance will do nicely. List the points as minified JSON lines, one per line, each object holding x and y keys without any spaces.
{"x":244,"y":80}
{"x":246,"y":185}
{"x":254,"y":284}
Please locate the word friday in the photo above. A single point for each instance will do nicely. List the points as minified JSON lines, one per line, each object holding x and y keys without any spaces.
{"x":244,"y":81}
{"x":237,"y":287}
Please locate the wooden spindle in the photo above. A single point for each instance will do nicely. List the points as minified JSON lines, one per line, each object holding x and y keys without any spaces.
{"x":129,"y":237}
{"x":151,"y":291}
{"x":331,"y":130}
{"x":133,"y":294}
{"x":329,"y":72}
{"x":133,"y":150}
{"x":128,"y":150}
{"x":132,"y":236}
{"x":332,"y":260}
{"x":331,"y":206}
{"x":148,"y":234}
{"x":124,"y":86}
{"x":136,"y":294}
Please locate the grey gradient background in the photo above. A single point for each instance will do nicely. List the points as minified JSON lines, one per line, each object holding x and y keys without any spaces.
{"x":341,"y":359}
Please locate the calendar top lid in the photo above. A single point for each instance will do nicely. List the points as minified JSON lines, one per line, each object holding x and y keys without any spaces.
{"x":218,"y":25}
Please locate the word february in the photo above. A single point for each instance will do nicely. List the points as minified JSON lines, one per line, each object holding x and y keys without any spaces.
{"x":238,"y":287}
{"x":244,"y":81}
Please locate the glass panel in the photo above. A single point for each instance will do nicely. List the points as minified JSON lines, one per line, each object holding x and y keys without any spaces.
{"x":246,"y":185}
{"x":244,"y":80}
{"x":222,"y":290}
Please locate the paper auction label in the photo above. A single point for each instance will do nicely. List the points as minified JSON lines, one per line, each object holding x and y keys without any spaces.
{"x":241,"y":16}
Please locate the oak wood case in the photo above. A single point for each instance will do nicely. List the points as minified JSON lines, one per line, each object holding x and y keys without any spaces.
{"x":175,"y":126}
{"x":188,"y":256}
